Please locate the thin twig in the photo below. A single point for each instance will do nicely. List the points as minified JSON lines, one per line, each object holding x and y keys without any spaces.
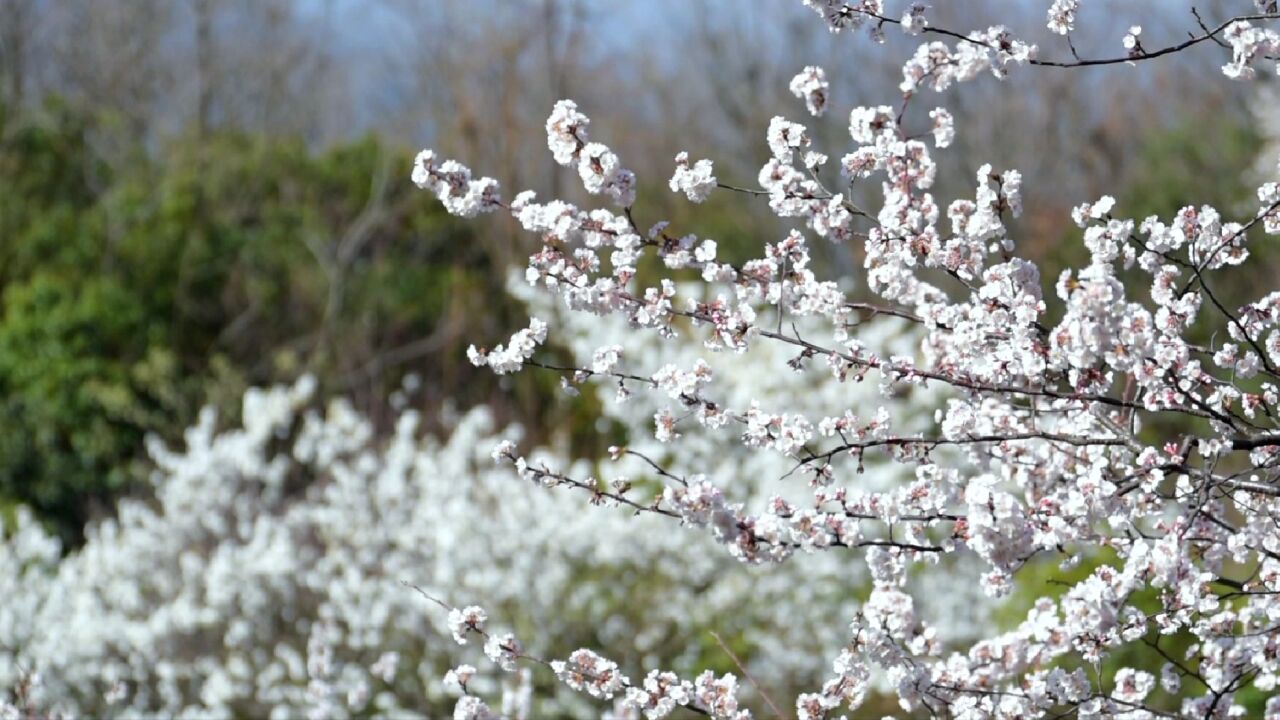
{"x":769,"y":701}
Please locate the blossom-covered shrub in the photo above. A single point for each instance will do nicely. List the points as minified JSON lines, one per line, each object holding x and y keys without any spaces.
{"x":267,"y":576}
{"x":1083,"y":417}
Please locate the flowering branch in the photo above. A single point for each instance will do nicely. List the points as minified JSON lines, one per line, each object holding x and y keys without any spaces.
{"x":1044,"y":443}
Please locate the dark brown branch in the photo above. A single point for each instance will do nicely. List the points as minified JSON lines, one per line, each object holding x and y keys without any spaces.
{"x":1136,"y":57}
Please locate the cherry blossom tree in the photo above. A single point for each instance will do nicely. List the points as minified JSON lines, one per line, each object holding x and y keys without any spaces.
{"x":1051,"y":444}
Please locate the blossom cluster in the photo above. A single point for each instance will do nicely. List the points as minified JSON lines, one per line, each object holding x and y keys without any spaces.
{"x":598,"y":166}
{"x":695,"y":181}
{"x":511,"y":357}
{"x":452,"y":183}
{"x":1062,"y":16}
{"x":812,"y":87}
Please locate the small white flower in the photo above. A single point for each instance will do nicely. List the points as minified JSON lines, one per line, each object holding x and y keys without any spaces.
{"x":811,"y":85}
{"x":695,"y":181}
{"x":456,"y":679}
{"x":503,"y":650}
{"x":466,"y":620}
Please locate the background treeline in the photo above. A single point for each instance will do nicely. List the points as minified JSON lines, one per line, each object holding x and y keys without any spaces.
{"x":134,"y":294}
{"x":197,"y":196}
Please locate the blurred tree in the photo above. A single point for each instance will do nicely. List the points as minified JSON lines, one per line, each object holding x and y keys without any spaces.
{"x":17,"y":18}
{"x":130,"y":295}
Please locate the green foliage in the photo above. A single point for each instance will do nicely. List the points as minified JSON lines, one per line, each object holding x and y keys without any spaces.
{"x":1197,"y":162}
{"x":132,"y":294}
{"x":70,"y":403}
